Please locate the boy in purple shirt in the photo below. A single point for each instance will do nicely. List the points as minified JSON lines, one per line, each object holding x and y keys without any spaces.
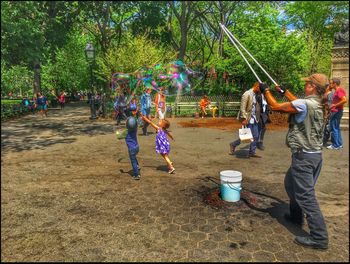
{"x":133,"y":145}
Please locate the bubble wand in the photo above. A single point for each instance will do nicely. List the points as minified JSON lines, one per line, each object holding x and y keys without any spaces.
{"x":230,"y":33}
{"x":240,"y":52}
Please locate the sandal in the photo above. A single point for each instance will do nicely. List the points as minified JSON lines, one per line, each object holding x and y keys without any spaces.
{"x":172,"y":170}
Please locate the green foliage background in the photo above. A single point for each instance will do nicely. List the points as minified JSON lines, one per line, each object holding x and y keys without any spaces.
{"x":128,"y":35}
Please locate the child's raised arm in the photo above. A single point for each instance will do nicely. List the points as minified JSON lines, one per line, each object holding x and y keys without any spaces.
{"x":149,"y":122}
{"x":170,"y":135}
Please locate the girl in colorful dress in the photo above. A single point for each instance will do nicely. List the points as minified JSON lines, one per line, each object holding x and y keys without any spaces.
{"x":162,"y":142}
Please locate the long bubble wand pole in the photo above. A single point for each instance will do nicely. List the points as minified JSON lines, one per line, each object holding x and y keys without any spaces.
{"x":250,"y":55}
{"x":240,"y":52}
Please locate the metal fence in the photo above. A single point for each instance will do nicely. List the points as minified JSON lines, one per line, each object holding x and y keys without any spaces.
{"x":226,"y":98}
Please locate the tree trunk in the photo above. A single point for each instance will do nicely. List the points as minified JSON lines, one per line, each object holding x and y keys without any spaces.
{"x":221,"y":39}
{"x":37,"y":79}
{"x":183,"y":43}
{"x":183,"y":27}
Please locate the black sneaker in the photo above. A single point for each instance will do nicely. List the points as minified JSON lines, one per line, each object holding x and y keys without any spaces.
{"x":311,"y":243}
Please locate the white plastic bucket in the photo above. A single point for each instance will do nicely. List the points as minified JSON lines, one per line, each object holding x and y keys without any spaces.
{"x":230,"y":187}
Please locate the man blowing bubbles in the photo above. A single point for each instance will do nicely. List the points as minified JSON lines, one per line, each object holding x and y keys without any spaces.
{"x":305,"y":139}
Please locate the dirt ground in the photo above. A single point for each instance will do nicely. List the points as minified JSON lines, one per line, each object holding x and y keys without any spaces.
{"x":277,"y":121}
{"x":67,"y":194}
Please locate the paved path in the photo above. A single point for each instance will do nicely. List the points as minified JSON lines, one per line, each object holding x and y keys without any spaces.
{"x":67,"y":195}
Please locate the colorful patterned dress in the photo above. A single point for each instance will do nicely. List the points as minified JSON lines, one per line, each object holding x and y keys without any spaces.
{"x":162,"y":142}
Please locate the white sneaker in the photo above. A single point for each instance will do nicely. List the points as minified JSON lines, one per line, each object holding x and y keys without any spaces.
{"x":332,"y":147}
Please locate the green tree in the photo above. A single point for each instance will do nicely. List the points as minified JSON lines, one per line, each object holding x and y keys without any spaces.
{"x":318,"y":21}
{"x":150,"y":18}
{"x":281,"y":54}
{"x":70,"y":71}
{"x":185,"y":12}
{"x":22,"y":36}
{"x":31,"y":31}
{"x":17,"y":79}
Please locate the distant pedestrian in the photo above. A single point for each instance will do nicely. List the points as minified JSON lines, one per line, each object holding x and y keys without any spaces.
{"x":28,"y":104}
{"x":133,"y":109}
{"x":328,"y":98}
{"x":62,"y":99}
{"x":146,"y":103}
{"x":42,"y":103}
{"x":337,"y":109}
{"x":160,"y":103}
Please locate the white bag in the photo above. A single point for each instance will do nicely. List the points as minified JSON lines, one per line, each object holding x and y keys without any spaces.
{"x":245,"y":134}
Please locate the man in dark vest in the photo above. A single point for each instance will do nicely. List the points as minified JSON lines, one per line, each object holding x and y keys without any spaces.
{"x":305,"y":139}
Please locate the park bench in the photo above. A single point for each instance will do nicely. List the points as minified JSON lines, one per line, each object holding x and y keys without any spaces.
{"x":190,"y":108}
{"x":230,"y":108}
{"x":186,"y":108}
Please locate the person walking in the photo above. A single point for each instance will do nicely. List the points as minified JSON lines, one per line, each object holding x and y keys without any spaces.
{"x":146,"y":103}
{"x":42,"y":103}
{"x":62,"y":99}
{"x":305,"y":139}
{"x":250,"y":116}
{"x":337,"y":109}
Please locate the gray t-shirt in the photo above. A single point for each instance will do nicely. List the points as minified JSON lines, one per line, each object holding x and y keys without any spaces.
{"x":300,"y":106}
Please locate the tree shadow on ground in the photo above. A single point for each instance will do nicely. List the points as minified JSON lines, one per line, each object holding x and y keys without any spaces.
{"x":36,"y":132}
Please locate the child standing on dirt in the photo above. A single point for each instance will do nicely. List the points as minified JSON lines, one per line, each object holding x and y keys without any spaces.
{"x":162,"y":142}
{"x":133,"y":146}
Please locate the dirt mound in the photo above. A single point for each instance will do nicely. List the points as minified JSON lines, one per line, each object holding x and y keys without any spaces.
{"x":278,"y":121}
{"x":213,"y":198}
